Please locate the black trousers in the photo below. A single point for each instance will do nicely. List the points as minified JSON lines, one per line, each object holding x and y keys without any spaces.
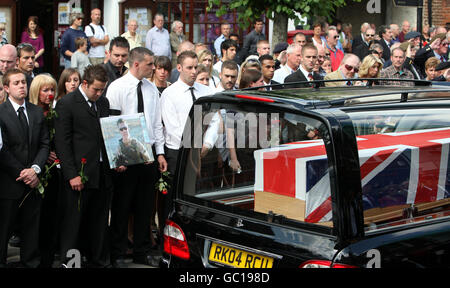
{"x":134,"y":193}
{"x":27,"y":216}
{"x":85,"y":219}
{"x":171,"y":156}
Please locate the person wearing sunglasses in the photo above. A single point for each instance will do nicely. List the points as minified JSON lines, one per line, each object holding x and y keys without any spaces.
{"x":396,"y":70}
{"x":336,"y":55}
{"x":347,"y":70}
{"x":363,"y":49}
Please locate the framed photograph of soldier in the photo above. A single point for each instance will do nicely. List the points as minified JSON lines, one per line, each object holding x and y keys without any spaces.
{"x":126,"y":140}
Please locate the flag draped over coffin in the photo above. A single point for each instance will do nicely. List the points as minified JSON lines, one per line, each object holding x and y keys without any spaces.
{"x":396,"y":168}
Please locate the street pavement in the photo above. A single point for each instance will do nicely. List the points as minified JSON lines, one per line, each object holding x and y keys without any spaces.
{"x":13,"y":257}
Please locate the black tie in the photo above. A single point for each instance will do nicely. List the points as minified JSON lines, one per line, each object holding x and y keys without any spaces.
{"x":140,"y":98}
{"x":349,"y":83}
{"x":23,"y":122}
{"x":93,"y":108}
{"x":192,"y":94}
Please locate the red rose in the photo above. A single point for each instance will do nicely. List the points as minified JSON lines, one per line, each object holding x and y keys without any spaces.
{"x":51,"y":97}
{"x":164,"y":192}
{"x":57,"y":161}
{"x":83,"y":161}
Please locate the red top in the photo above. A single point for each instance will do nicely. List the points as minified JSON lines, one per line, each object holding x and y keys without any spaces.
{"x":38,"y":44}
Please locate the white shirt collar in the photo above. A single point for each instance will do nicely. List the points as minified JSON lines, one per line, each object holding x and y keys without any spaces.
{"x":17,"y":106}
{"x":306,"y":73}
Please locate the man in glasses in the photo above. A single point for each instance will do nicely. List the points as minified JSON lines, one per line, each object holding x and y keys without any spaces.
{"x":336,"y":55}
{"x":68,"y":46}
{"x":396,"y":70}
{"x":363,"y":49}
{"x":348,"y":69}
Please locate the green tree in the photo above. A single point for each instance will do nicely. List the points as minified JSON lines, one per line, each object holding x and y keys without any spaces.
{"x":280,"y":11}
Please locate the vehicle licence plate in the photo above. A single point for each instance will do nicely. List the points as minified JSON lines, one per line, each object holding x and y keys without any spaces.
{"x":238,"y":258}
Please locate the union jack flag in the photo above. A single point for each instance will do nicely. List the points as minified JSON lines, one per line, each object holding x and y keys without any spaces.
{"x":396,"y":168}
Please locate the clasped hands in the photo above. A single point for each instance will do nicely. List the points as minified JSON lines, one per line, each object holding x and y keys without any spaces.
{"x":29,"y":177}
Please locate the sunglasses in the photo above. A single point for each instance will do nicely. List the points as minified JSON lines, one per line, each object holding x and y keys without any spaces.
{"x":336,"y":37}
{"x":370,"y":35}
{"x":350,"y":68}
{"x":123,"y":128}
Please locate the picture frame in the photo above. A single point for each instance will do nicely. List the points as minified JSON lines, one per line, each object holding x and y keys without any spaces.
{"x":127,"y":141}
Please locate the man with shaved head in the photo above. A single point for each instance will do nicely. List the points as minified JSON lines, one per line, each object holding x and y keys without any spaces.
{"x":8,"y":57}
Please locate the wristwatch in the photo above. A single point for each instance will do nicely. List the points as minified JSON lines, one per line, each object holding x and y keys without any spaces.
{"x":36,"y":169}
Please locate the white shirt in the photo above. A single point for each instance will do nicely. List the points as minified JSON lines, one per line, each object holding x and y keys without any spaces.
{"x":99,"y":51}
{"x":282,"y":73}
{"x":176,"y":103}
{"x":158,"y":41}
{"x":122,"y":96}
{"x":17,"y":106}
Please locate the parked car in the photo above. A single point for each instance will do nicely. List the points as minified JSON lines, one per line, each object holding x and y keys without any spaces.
{"x":314,"y":177}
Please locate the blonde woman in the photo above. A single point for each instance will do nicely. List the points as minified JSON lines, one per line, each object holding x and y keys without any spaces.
{"x":206,"y":58}
{"x":251,"y":62}
{"x":370,"y":68}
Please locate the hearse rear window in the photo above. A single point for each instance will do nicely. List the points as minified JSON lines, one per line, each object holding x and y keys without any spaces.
{"x":260,"y":163}
{"x":404,"y":159}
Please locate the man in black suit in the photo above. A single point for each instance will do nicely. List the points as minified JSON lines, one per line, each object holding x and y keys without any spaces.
{"x":359,"y":39}
{"x":438,"y":48}
{"x":305,"y":71}
{"x":385,"y":41}
{"x":362,"y":50}
{"x":268,"y":70}
{"x":79,"y":138}
{"x":22,"y":158}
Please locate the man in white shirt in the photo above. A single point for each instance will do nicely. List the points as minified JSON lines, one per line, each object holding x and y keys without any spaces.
{"x":177,"y":100}
{"x":158,"y":38}
{"x":225,"y":29}
{"x":98,"y":37}
{"x":131,"y":35}
{"x":132,"y":94}
{"x":294,"y":53}
{"x":176,"y":103}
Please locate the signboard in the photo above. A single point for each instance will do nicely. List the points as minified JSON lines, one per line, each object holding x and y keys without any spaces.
{"x":412,"y":3}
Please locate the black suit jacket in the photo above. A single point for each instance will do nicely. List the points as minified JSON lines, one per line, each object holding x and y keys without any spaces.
{"x":386,"y":50}
{"x":299,"y":77}
{"x":362,"y":50}
{"x":422,"y":56}
{"x":16,"y":155}
{"x":78,"y":135}
{"x":356,"y":42}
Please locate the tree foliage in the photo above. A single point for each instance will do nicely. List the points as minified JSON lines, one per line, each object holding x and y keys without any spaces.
{"x":249,"y":10}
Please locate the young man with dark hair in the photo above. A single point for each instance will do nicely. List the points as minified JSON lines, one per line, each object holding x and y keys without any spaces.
{"x":268,"y":71}
{"x":252,"y":39}
{"x":80,"y":148}
{"x":135,"y":185}
{"x":119,"y":50}
{"x":25,"y":61}
{"x":228,"y":48}
{"x":22,"y":158}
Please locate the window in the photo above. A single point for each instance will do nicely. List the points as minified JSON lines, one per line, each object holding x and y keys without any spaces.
{"x":404,"y":159}
{"x":255,"y":161}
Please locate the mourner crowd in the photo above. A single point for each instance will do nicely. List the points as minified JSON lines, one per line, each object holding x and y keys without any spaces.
{"x":58,"y":192}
